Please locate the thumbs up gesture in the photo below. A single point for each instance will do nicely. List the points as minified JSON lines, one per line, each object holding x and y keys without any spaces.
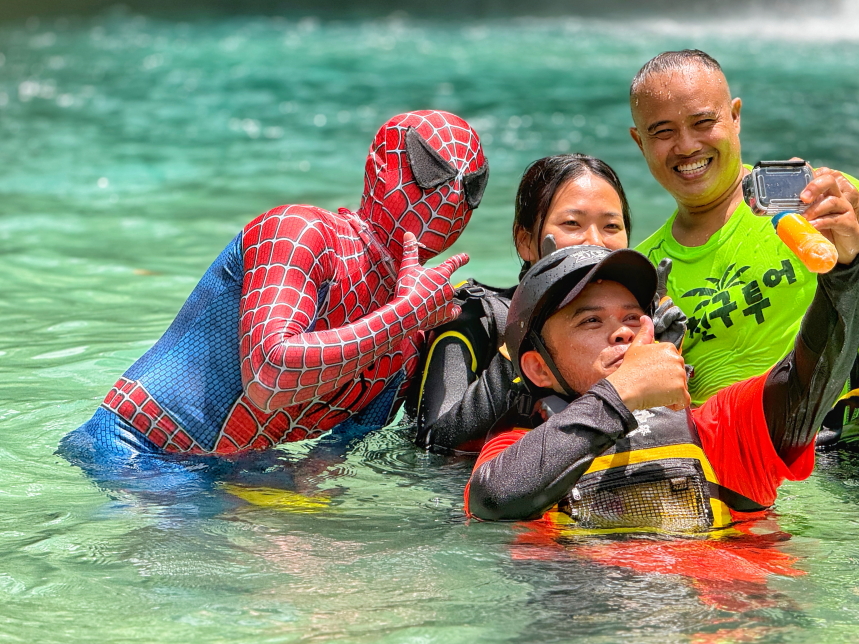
{"x":427,"y":289}
{"x":652,"y":374}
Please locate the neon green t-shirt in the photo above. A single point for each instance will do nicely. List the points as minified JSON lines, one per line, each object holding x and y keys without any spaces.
{"x":744,"y":293}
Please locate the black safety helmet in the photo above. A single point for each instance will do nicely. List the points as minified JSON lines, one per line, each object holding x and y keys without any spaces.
{"x":555,"y":280}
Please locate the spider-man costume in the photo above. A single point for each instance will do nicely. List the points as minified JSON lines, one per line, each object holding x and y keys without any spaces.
{"x":308,"y":320}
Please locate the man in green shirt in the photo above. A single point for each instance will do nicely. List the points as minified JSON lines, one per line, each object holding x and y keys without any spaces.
{"x":743,"y":290}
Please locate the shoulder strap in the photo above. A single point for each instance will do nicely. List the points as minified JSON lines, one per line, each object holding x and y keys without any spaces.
{"x":495,"y":302}
{"x":493,"y":305}
{"x":496,"y":314}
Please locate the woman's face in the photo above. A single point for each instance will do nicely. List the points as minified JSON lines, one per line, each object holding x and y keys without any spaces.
{"x":586,"y":210}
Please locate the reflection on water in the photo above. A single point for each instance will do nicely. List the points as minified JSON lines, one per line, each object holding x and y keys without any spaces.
{"x":135,"y":148}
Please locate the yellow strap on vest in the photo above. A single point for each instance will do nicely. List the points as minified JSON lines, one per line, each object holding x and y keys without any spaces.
{"x":567,"y":527}
{"x":721,"y":512}
{"x":446,"y":334}
{"x":684,"y":450}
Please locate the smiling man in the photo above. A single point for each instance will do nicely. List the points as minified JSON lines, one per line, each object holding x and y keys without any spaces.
{"x":742,"y":289}
{"x":614,"y":444}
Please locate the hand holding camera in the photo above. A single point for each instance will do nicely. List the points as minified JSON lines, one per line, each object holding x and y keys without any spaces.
{"x":784,"y":190}
{"x":832,"y":209}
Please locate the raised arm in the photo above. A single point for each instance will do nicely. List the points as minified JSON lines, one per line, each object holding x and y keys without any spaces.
{"x":802,"y":387}
{"x":287,"y":263}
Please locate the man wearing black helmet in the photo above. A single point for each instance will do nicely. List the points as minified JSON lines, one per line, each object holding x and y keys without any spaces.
{"x":618,"y":446}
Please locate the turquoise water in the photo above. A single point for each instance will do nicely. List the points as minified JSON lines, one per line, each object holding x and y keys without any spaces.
{"x":134,"y":149}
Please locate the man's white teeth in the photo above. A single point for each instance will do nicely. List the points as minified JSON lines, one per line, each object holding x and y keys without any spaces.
{"x":692,"y":167}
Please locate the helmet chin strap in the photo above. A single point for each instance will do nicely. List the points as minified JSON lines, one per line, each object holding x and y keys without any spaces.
{"x":537,"y":341}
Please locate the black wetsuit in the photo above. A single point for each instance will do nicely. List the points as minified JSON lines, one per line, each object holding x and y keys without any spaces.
{"x":544,"y":465}
{"x":464,"y":384}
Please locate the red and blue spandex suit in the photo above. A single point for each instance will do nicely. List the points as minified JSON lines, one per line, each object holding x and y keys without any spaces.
{"x":308,"y":320}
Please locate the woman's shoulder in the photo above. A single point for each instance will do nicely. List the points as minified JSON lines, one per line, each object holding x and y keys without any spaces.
{"x":480,"y":324}
{"x":484,"y":309}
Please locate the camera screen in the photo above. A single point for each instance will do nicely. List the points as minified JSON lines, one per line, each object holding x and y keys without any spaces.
{"x":781,"y":184}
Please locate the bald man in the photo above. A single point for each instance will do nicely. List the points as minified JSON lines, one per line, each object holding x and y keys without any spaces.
{"x":743,"y":290}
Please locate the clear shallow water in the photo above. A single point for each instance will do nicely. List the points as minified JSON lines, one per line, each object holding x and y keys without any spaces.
{"x":134,"y":149}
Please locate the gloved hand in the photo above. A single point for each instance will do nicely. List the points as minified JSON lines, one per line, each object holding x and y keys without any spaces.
{"x":669,"y":321}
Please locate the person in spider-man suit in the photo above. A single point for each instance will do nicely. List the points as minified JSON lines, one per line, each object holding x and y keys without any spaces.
{"x":309,"y":320}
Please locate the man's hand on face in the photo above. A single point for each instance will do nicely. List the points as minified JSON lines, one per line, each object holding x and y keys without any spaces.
{"x":653,"y":374}
{"x":834,"y":203}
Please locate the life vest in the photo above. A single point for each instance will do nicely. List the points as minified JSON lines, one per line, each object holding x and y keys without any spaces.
{"x":479,"y":327}
{"x":657,"y":477}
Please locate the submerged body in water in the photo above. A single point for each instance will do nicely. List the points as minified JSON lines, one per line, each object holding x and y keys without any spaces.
{"x":309,"y":320}
{"x":182,"y":119}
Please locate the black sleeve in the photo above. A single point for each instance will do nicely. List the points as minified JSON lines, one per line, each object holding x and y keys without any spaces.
{"x":802,"y":387}
{"x":457,"y":406}
{"x":465,"y":384}
{"x":533,"y":474}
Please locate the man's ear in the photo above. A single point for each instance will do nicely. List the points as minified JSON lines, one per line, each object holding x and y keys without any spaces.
{"x":633,"y":132}
{"x":736,"y":106}
{"x":524,"y":244}
{"x":535,"y":369}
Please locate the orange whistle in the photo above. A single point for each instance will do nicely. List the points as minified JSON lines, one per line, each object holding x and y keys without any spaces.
{"x":812,"y":248}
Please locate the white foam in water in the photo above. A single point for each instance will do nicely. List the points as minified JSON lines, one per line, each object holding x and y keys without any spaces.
{"x":822,"y":23}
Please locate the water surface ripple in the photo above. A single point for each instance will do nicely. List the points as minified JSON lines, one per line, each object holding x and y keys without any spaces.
{"x":134,"y":149}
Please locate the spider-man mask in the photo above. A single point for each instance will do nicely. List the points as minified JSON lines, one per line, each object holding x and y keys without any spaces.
{"x":425,"y":174}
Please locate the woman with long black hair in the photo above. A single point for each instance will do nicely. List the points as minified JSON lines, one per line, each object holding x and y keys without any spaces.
{"x":466,"y":384}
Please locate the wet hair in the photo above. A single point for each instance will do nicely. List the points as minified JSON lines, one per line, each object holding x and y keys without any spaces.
{"x":544,"y":177}
{"x":673,"y":61}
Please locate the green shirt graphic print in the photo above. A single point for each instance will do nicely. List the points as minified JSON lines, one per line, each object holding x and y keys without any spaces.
{"x":744,"y":293}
